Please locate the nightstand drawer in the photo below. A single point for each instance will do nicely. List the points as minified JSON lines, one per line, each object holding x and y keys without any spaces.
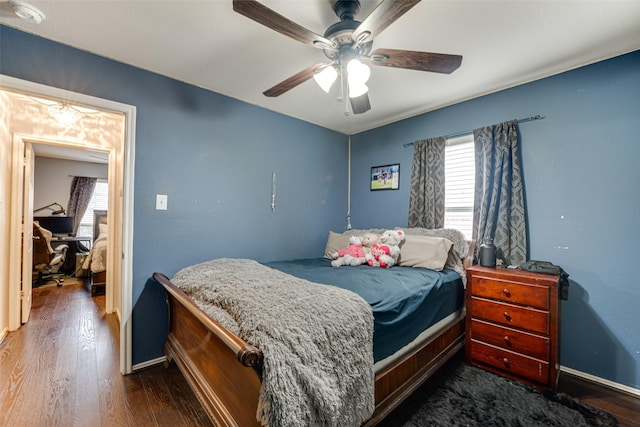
{"x":517,"y":364}
{"x":505,"y":290}
{"x":510,"y":339}
{"x":511,"y":315}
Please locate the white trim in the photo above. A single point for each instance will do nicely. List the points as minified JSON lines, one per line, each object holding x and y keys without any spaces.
{"x":602,"y":381}
{"x":126,"y":292}
{"x":15,"y":231}
{"x":149,"y":363}
{"x":129,"y":111}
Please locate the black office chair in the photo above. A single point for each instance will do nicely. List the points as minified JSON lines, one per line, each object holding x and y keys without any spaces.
{"x":46,"y":260}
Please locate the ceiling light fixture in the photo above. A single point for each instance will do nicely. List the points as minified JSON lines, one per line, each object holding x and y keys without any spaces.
{"x":26,"y":11}
{"x":357,"y":76}
{"x":65,"y":114}
{"x":325,"y":77}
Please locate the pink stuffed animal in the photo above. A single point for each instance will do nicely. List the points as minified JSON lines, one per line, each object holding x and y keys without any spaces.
{"x":385,"y":254}
{"x":351,"y":255}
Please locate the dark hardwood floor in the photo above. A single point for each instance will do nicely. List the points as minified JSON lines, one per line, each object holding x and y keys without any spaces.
{"x":625,"y":407}
{"x":61,"y":369}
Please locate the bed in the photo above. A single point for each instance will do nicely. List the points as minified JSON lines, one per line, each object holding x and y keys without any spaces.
{"x":96,"y":260}
{"x":226,"y":372}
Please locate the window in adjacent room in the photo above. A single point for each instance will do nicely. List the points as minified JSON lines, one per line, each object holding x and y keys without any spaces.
{"x":99,"y":201}
{"x":459,"y":178}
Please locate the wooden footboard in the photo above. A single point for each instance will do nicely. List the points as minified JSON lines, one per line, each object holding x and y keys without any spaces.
{"x":225,"y":371}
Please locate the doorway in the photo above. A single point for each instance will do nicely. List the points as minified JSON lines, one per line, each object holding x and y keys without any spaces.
{"x":70,"y":218}
{"x":121,"y":169}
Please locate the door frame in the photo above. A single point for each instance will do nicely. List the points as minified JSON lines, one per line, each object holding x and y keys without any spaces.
{"x":126,"y":152}
{"x":27,"y":231}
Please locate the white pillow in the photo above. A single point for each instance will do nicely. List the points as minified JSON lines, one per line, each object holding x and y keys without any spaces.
{"x":425,"y":252}
{"x":335,"y":242}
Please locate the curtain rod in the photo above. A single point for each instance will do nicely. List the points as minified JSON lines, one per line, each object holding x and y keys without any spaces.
{"x":454,"y":135}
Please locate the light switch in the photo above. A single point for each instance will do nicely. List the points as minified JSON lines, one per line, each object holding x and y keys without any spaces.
{"x":161,"y":202}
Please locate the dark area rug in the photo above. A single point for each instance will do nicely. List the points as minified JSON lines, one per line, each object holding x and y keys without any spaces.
{"x":463,"y":395}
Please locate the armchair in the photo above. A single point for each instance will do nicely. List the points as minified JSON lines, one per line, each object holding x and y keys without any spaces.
{"x":46,"y":260}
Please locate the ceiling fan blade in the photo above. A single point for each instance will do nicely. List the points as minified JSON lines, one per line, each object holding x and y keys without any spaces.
{"x":421,"y":61}
{"x":269,"y":18}
{"x":293,"y":81}
{"x":385,"y":14}
{"x":360,"y":104}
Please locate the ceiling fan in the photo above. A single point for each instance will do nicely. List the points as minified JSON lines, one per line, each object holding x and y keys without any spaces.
{"x":345,"y":43}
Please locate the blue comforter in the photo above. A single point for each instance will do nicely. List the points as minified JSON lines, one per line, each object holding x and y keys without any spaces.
{"x":405,"y":300}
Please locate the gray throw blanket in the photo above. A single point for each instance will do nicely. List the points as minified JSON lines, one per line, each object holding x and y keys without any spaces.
{"x":317,"y":340}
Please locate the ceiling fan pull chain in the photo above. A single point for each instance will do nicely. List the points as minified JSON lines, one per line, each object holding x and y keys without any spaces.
{"x":343,"y":80}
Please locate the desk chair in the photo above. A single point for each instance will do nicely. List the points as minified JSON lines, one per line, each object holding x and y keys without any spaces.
{"x":46,"y":260}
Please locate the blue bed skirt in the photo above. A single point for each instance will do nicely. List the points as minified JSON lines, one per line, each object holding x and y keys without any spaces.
{"x":405,"y":300}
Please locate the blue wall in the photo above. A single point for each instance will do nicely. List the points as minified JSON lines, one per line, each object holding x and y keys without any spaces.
{"x":213,"y":156}
{"x":581,"y":171}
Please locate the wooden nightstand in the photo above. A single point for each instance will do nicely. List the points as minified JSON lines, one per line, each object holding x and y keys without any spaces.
{"x":513,"y":324}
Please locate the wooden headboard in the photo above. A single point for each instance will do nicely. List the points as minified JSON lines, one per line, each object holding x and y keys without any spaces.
{"x":99,"y":217}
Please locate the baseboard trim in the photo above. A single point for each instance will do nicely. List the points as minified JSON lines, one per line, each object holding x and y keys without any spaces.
{"x":149,"y":363}
{"x":598,"y":380}
{"x":602,"y":381}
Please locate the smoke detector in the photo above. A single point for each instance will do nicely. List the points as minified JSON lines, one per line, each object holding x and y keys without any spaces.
{"x":26,"y":11}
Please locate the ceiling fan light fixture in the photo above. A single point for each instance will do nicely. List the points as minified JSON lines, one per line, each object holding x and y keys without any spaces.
{"x":26,"y":11}
{"x":325,"y":77}
{"x":358,"y":89}
{"x":357,"y":75}
{"x":358,"y":72}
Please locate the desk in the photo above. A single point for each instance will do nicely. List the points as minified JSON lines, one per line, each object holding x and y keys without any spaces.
{"x":57,"y":240}
{"x":76,"y":244}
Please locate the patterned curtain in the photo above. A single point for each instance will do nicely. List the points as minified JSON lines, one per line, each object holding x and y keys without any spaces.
{"x":79,"y":197}
{"x":426,"y":198}
{"x":498,"y":212}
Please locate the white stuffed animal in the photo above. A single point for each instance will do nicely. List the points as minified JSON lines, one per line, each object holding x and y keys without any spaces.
{"x":385,"y":253}
{"x":351,"y":255}
{"x":368,"y":240}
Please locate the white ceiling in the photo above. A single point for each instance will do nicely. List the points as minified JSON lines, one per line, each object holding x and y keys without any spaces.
{"x":78,"y":155}
{"x":503,"y":43}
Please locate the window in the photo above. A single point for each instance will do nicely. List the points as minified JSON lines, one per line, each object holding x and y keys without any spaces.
{"x":459,"y":175}
{"x":99,"y":201}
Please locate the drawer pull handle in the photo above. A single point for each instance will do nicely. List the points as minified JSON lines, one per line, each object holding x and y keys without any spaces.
{"x":506,"y":362}
{"x":506,"y":292}
{"x":507,"y":316}
{"x":507,"y":339}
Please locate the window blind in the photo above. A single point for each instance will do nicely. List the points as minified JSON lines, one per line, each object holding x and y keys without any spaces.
{"x":459,"y":184}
